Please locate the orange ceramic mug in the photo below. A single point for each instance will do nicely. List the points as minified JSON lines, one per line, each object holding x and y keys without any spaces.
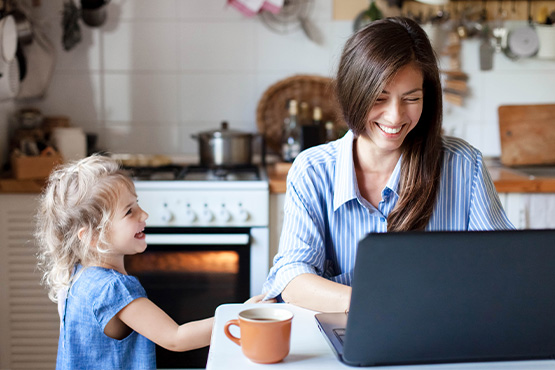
{"x":265,"y":333}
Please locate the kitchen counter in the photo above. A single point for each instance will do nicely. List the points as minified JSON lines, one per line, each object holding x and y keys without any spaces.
{"x":505,"y":179}
{"x":9,"y":185}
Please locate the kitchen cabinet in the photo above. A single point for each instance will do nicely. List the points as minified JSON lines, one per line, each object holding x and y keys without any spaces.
{"x":29,"y":323}
{"x":530,"y":210}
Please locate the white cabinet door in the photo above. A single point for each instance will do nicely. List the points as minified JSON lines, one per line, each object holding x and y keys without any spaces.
{"x":29,"y":320}
{"x":530,"y":210}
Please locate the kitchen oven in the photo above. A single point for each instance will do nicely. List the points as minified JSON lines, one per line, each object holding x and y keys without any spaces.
{"x":208,"y":243}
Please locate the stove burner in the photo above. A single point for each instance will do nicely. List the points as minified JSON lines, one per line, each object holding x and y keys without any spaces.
{"x":194,"y":173}
{"x":202,"y":173}
{"x":162,"y":173}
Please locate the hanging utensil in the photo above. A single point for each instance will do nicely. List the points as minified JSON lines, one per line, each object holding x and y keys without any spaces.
{"x":294,"y":15}
{"x":499,"y":31}
{"x":523,"y":42}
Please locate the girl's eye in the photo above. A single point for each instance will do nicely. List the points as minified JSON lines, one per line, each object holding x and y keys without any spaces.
{"x":414,"y":99}
{"x":128,"y":212}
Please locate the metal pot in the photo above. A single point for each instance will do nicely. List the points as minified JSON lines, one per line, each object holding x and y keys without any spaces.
{"x":225,"y":147}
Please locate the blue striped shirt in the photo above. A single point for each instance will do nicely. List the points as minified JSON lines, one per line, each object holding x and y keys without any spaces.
{"x":325,"y":216}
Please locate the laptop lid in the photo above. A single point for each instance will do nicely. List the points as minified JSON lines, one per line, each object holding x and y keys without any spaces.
{"x":432,"y":297}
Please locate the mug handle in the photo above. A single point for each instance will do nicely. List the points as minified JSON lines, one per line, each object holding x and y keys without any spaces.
{"x":228,"y":333}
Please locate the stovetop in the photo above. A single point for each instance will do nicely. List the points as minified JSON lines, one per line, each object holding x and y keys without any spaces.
{"x":197,"y":173}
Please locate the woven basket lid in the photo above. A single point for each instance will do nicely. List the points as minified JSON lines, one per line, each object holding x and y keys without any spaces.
{"x":272,"y":107}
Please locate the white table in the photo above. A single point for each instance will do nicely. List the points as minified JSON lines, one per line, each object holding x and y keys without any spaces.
{"x":309,"y":350}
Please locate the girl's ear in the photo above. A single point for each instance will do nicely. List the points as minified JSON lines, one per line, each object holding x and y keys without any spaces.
{"x":81,"y":233}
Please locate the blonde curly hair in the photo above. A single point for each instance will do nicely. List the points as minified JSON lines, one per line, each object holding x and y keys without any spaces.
{"x":78,"y":195}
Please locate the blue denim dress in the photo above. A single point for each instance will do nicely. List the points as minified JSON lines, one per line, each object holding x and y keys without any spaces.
{"x":94,"y":298}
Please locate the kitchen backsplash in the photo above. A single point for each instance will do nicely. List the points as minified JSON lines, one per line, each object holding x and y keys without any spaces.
{"x":159,"y":71}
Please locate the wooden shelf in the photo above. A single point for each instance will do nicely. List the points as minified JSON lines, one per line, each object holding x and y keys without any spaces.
{"x":515,"y":9}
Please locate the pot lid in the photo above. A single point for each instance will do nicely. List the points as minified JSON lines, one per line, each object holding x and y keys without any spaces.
{"x":524,"y":42}
{"x":224,"y":131}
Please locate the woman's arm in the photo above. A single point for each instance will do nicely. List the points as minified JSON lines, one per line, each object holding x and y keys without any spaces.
{"x":486,"y":211}
{"x":317,"y":293}
{"x":146,"y":318}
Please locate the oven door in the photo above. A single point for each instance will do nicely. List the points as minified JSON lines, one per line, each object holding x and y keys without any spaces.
{"x":188,"y":272}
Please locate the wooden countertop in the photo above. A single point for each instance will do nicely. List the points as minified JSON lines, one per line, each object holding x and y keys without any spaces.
{"x":9,"y":185}
{"x":506,"y":180}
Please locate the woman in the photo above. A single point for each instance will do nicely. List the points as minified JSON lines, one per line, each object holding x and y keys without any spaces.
{"x":392,"y":171}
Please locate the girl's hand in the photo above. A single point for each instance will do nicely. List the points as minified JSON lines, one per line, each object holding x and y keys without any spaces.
{"x":259,"y":299}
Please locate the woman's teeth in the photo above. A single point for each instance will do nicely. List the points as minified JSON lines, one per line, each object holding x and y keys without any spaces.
{"x":389,"y":130}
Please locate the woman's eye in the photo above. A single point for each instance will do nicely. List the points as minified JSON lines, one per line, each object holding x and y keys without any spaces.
{"x":414,"y":99}
{"x":128,"y":212}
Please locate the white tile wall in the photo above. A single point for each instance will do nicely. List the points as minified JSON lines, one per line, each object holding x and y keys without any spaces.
{"x":159,"y":71}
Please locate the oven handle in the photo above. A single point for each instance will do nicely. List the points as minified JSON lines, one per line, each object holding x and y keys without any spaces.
{"x":198,"y":239}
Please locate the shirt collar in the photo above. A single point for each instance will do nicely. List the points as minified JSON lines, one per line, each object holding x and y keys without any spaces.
{"x":393,"y":182}
{"x":345,"y":188}
{"x":345,"y":176}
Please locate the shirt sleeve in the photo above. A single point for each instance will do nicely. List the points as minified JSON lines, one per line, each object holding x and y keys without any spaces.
{"x":486,"y":211}
{"x":301,"y":246}
{"x":113,"y":296}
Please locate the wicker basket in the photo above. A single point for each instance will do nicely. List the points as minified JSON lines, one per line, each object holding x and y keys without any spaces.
{"x":272,"y":107}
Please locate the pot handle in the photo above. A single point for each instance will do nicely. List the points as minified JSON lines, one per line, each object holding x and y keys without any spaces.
{"x":262,"y":148}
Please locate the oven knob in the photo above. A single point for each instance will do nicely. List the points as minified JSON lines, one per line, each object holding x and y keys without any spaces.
{"x":224,"y":215}
{"x":207,"y":214}
{"x":166,"y":215}
{"x":190,"y":215}
{"x":243,"y":214}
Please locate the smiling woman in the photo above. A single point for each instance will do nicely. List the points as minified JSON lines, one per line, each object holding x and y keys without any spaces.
{"x":393,"y":171}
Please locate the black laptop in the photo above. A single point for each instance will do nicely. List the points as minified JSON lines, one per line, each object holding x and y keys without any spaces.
{"x":437,"y":297}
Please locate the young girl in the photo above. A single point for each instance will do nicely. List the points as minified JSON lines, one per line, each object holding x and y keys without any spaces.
{"x":88,"y":220}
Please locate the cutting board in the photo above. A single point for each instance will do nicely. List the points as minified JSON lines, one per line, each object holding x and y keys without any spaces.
{"x":527,"y":134}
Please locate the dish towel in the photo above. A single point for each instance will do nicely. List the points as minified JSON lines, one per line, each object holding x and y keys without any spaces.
{"x":253,"y":7}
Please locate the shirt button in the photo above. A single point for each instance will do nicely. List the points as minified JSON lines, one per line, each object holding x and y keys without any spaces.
{"x":382,"y":219}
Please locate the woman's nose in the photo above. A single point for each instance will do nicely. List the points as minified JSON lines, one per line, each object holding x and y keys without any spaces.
{"x":394,"y":111}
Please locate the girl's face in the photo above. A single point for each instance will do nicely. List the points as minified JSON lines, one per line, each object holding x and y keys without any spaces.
{"x":396,"y":111}
{"x":126,"y":236}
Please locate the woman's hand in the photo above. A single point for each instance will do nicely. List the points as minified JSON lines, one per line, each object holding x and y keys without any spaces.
{"x":259,"y":299}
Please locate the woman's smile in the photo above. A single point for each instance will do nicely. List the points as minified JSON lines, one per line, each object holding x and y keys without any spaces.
{"x":389,"y":130}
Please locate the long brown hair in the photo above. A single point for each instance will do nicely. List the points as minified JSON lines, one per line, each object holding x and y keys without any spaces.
{"x":370,"y":60}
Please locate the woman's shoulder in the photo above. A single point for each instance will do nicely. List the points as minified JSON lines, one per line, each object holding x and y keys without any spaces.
{"x":319,"y":158}
{"x":455,"y":147}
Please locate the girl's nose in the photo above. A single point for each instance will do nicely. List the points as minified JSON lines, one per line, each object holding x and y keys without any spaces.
{"x":144,"y":215}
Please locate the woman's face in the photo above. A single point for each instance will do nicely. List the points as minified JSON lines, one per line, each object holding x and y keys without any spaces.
{"x":396,"y":111}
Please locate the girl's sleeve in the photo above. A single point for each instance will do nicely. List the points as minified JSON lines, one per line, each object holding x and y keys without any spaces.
{"x":114,"y":296}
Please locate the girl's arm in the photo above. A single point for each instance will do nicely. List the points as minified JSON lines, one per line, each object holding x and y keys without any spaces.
{"x":149,"y":320}
{"x":317,"y":293}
